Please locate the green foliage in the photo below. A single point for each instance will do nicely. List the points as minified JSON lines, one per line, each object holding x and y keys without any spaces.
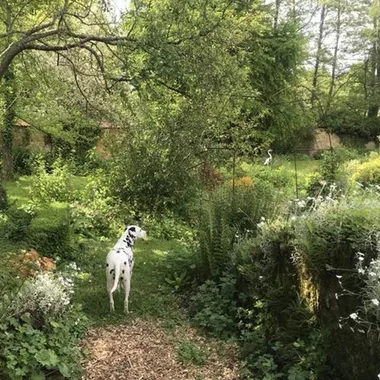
{"x":334,"y":234}
{"x":227,"y":214}
{"x":49,"y":231}
{"x":51,"y":187}
{"x":3,"y":198}
{"x":189,"y":353}
{"x":167,"y":227}
{"x":27,"y":352}
{"x":150,"y":179}
{"x":14,"y":224}
{"x":331,"y":171}
{"x":22,"y":161}
{"x":214,"y":306}
{"x":368,"y":172}
{"x":345,"y":122}
{"x":79,"y":135}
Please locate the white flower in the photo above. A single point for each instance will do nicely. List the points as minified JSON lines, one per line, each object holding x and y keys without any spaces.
{"x":361,"y":271}
{"x":360,"y":258}
{"x":354,"y":316}
{"x":260,"y":225}
{"x":301,"y":204}
{"x":336,"y":296}
{"x":375,"y":301}
{"x":338,"y":276}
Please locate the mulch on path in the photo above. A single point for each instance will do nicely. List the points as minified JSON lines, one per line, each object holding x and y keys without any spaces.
{"x":145,"y":351}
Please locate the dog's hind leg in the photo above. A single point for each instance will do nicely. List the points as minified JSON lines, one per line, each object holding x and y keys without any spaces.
{"x":127,"y":287}
{"x":110,"y":294}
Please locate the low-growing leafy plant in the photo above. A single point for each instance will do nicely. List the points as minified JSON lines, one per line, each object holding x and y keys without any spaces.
{"x":34,"y":353}
{"x":189,"y":353}
{"x":214,"y":306}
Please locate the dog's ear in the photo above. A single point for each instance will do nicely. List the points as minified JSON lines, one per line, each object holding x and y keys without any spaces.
{"x":133,"y":229}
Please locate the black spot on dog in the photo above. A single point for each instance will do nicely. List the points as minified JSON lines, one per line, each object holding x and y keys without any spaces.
{"x":121,"y":278}
{"x":125,"y":263}
{"x":132,"y":229}
{"x":112,"y":270}
{"x":107,"y":265}
{"x":122,"y":271}
{"x":114,"y":277}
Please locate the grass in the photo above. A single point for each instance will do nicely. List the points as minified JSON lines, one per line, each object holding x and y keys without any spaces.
{"x":149,"y":297}
{"x":18,"y":190}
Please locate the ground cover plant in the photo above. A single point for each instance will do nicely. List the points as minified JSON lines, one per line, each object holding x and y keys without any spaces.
{"x":163,"y":113}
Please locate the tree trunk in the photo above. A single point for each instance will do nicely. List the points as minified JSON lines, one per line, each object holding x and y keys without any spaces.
{"x":8,"y":122}
{"x":335,"y":57}
{"x":319,"y":52}
{"x":374,"y":101}
{"x":276,"y":13}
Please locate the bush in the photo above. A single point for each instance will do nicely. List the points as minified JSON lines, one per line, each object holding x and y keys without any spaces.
{"x":3,"y":198}
{"x":51,"y":187}
{"x":368,"y":172}
{"x":152,"y":181}
{"x":15,"y":224}
{"x":330,"y":172}
{"x":50,"y":233}
{"x":44,"y":297}
{"x":39,"y":327}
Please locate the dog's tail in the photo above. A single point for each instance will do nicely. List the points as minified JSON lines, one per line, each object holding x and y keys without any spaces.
{"x":117,"y":276}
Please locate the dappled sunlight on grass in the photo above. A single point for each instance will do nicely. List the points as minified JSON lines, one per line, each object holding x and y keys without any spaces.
{"x":18,"y":190}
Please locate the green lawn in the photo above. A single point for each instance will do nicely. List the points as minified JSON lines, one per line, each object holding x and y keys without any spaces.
{"x":149,"y":297}
{"x":18,"y":190}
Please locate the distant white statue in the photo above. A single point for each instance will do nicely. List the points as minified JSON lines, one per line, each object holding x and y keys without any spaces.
{"x":269,"y":160}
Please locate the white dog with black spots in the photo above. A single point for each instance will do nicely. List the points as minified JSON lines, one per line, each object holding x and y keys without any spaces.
{"x":120,"y":263}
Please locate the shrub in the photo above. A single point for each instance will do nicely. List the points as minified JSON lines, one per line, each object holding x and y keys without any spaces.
{"x":152,"y":181}
{"x":3,"y":198}
{"x":15,"y":224}
{"x":368,"y":172}
{"x":167,"y":227}
{"x":51,"y":187}
{"x":330,"y":172}
{"x":44,"y":297}
{"x":50,"y":233}
{"x":39,"y":328}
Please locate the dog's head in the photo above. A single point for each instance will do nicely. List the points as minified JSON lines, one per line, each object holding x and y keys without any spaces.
{"x":135,"y":232}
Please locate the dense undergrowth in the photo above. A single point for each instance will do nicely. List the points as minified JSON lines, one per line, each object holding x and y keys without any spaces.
{"x":293,"y":281}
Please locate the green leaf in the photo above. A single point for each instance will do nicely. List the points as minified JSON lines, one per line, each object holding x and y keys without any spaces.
{"x":38,"y":376}
{"x":47,"y":358}
{"x":64,"y":369}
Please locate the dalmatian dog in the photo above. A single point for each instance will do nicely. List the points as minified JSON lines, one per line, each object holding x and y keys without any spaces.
{"x":120,"y":263}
